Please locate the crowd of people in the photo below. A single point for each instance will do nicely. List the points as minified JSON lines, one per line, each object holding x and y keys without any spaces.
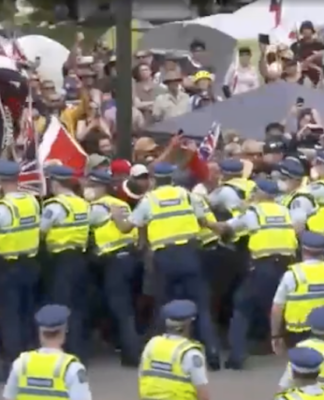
{"x":234,"y":225}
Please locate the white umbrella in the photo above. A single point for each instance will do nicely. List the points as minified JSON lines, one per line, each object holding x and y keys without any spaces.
{"x":52,"y":54}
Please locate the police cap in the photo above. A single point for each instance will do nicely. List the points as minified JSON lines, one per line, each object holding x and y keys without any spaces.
{"x":100,"y":175}
{"x":59,"y":172}
{"x":316,"y":320}
{"x":52,"y":317}
{"x":179,"y":310}
{"x":231,"y":166}
{"x":292,"y":169}
{"x":9,"y":170}
{"x":267,"y":186}
{"x":312,"y":241}
{"x":305,"y":360}
{"x":163,"y":169}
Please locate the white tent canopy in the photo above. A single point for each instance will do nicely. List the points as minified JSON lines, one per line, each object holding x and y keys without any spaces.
{"x":255,"y":18}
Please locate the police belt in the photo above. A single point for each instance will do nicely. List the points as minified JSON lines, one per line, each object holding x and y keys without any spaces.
{"x":210,"y":246}
{"x":130,"y":248}
{"x":191,"y":242}
{"x":278,"y":260}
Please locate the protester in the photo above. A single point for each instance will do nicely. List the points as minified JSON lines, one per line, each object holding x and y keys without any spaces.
{"x":242,"y":75}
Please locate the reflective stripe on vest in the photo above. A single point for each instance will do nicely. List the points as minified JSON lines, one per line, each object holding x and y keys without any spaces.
{"x":108,"y":238}
{"x":38,"y":385}
{"x":309,"y":294}
{"x":161,"y":375}
{"x":21,"y":238}
{"x":166,"y":374}
{"x":275,"y":234}
{"x":72,"y":232}
{"x":173,"y":220}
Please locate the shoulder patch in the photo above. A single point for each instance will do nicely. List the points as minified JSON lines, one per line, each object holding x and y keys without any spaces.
{"x":82,"y":376}
{"x":197,"y":361}
{"x":48,"y":214}
{"x":316,"y":186}
{"x":295,"y":204}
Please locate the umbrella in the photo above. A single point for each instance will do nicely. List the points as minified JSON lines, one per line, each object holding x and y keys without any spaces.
{"x":109,"y":39}
{"x":52,"y":53}
{"x":179,"y":35}
{"x":247,"y":113}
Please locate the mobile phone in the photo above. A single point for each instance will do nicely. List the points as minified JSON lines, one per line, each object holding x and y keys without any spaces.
{"x":300,"y":102}
{"x":264,"y":39}
{"x":180,"y":132}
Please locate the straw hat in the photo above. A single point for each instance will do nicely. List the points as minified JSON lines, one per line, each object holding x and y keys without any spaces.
{"x":145,"y":144}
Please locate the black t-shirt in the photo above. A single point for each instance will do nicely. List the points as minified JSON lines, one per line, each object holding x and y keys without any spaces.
{"x":303,"y":49}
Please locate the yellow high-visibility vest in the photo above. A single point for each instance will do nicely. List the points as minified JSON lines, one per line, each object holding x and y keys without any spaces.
{"x":22,"y":236}
{"x":173,"y":220}
{"x":73,"y":232}
{"x":288,"y":198}
{"x":276,"y":235}
{"x":309,"y":294}
{"x":314,"y":221}
{"x":298,"y":394}
{"x":161,"y":374}
{"x":243,"y":187}
{"x":42,"y":375}
{"x":108,"y":238}
{"x":206,"y":235}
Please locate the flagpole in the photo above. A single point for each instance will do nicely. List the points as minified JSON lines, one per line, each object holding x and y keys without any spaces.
{"x":123,"y":13}
{"x":36,"y":139}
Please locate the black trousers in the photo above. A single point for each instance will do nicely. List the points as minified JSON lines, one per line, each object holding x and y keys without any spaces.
{"x":293,"y":338}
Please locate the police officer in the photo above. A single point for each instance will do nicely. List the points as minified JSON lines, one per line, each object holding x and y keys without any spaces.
{"x":272,"y":244}
{"x":48,"y":372}
{"x":172,"y":365}
{"x":301,"y":203}
{"x":19,"y":242}
{"x":116,"y":252}
{"x":316,"y":322}
{"x":305,"y":365}
{"x":299,"y":292}
{"x":234,"y":189}
{"x":65,"y":227}
{"x":171,"y":215}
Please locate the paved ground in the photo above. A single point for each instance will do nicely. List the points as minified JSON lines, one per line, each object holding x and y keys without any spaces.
{"x":258,"y":382}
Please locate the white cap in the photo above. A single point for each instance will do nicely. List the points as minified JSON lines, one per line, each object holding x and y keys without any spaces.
{"x":138,"y":170}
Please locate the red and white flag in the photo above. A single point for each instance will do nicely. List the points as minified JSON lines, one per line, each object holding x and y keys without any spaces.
{"x":59,"y":146}
{"x":276,"y":9}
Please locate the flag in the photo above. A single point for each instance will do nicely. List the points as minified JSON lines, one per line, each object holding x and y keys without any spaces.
{"x":59,"y":146}
{"x":31,"y":178}
{"x":276,"y":8}
{"x":209,"y":142}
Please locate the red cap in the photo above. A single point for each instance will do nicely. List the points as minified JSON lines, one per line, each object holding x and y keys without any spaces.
{"x":120,"y":166}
